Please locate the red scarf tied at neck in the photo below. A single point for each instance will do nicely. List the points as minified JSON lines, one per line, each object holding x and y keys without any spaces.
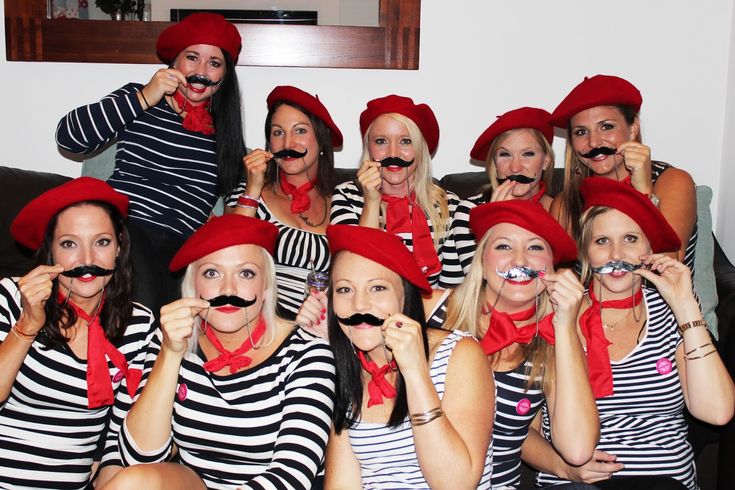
{"x":234,"y":359}
{"x":198,"y":118}
{"x":399,"y":220}
{"x":502,"y":330}
{"x":541,"y":191}
{"x":378,"y":386}
{"x":300,"y":201}
{"x":598,"y":358}
{"x":99,"y":382}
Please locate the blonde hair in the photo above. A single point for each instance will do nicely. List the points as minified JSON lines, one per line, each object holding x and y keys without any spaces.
{"x":464,"y":312}
{"x":270,"y":293}
{"x":547,"y":173}
{"x":431,"y":197}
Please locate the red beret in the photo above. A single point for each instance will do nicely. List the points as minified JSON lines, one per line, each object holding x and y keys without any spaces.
{"x":310,"y":103}
{"x":525,"y":117}
{"x":29,"y":227}
{"x":199,"y":28}
{"x":421,"y":114}
{"x":596,"y":91}
{"x":222,"y":232}
{"x":379,"y":246}
{"x":529,"y":216}
{"x":599,"y":191}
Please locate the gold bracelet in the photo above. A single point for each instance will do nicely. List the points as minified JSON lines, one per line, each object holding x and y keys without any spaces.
{"x":699,"y":357}
{"x":22,"y":336}
{"x":696,"y":323}
{"x":423,"y":418}
{"x":697,"y":348}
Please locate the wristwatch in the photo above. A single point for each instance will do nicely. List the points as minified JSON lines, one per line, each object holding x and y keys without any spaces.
{"x":655,"y":199}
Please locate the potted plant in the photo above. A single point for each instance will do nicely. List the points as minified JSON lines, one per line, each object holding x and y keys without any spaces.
{"x":118,"y":9}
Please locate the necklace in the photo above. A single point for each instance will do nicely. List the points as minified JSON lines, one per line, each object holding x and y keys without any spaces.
{"x":306,"y":220}
{"x":611,"y":326}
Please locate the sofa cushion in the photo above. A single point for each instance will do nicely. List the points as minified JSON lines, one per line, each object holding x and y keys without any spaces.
{"x":18,"y":187}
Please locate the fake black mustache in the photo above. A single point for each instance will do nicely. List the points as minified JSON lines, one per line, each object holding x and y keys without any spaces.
{"x":395,"y":162}
{"x":358,"y":318}
{"x":603,"y":150}
{"x":616,"y":265}
{"x":520,"y":178}
{"x":237,"y":301}
{"x":202,"y":80}
{"x":82,"y":270}
{"x":521,"y":272}
{"x":287,"y":153}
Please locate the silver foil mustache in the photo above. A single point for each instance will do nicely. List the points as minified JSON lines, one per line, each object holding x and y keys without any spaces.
{"x":521,"y":273}
{"x":616,"y":266}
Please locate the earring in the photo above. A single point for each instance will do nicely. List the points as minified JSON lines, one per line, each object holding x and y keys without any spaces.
{"x":250,"y":335}
{"x":577,"y":170}
{"x":321,"y":153}
{"x":385,"y":351}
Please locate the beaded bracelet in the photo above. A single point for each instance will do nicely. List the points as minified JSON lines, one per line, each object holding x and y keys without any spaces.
{"x":423,"y":418}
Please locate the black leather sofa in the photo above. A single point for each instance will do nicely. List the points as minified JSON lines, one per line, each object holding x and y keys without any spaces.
{"x":714,"y":446}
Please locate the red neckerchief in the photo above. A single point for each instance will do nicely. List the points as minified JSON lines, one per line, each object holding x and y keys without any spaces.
{"x":397,"y":220}
{"x":99,"y":383}
{"x":378,"y":386}
{"x":300,"y":201}
{"x":198,"y":118}
{"x":541,"y":191}
{"x":234,"y":359}
{"x":502,"y":330}
{"x":598,"y":358}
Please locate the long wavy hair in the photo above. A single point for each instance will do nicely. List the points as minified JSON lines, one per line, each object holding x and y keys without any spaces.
{"x":430,"y":196}
{"x":118,"y":306}
{"x":229,"y":140}
{"x":325,"y":163}
{"x":270,"y":294}
{"x":349,"y":389}
{"x":464,"y":312}
{"x":546,"y":173}
{"x":575,"y":172}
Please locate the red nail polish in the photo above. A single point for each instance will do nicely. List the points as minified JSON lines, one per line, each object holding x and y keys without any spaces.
{"x":323,"y":317}
{"x":324,"y":310}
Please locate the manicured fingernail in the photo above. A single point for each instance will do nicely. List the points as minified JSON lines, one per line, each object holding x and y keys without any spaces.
{"x":324,"y":310}
{"x":323,"y":317}
{"x":399,"y":324}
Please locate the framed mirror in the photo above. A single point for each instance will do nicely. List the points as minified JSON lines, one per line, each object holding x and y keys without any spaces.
{"x":394,"y":44}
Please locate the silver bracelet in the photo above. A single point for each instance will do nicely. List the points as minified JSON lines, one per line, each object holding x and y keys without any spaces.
{"x":423,"y":418}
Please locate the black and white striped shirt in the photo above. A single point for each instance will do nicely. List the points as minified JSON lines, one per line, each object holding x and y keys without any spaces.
{"x":168,"y":172}
{"x":515,"y":408}
{"x":642,"y":423}
{"x":295,"y":251}
{"x":461,"y":233}
{"x":388,"y":456}
{"x":48,"y":436}
{"x":264,"y":427}
{"x":347,"y":204}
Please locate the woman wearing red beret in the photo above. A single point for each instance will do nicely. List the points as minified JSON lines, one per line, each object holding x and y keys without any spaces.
{"x":648,"y":350}
{"x":179,"y":143}
{"x":290,"y":185}
{"x":524,"y":313}
{"x":244,"y":397}
{"x":604,"y":139}
{"x":395,"y":190}
{"x":407,"y":413}
{"x":72,"y":344}
{"x":519,"y":160}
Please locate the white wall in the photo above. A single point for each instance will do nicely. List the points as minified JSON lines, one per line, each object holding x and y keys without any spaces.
{"x":478,"y":59}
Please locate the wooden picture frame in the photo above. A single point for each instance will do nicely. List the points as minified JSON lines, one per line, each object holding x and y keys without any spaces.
{"x":394,"y":44}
